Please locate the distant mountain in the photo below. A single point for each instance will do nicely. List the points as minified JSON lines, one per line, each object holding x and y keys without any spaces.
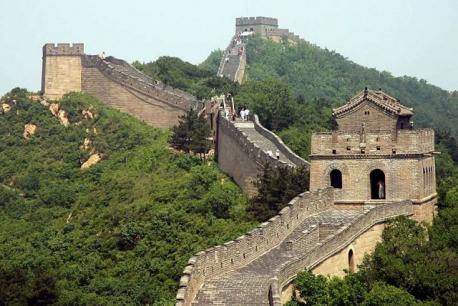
{"x":316,"y":73}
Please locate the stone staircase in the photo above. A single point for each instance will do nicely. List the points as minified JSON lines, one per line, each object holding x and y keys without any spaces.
{"x":260,"y":140}
{"x":250,"y":284}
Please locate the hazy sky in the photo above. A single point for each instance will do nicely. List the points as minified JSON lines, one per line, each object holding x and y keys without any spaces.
{"x":406,"y":37}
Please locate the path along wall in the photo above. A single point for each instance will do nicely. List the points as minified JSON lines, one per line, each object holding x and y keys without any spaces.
{"x":239,"y":158}
{"x":154,"y":104}
{"x":329,"y":256}
{"x":238,"y":253}
{"x":297,"y":160}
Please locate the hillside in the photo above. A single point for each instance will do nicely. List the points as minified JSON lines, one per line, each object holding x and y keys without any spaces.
{"x":119,"y":232}
{"x":316,"y":73}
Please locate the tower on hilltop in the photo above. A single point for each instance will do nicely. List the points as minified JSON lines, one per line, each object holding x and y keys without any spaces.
{"x":62,"y":69}
{"x":376,"y":156}
{"x":258,"y":25}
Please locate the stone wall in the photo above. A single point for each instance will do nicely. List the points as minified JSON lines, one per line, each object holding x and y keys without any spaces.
{"x":145,"y":108}
{"x":239,"y":158}
{"x":404,"y":177}
{"x":259,"y":25}
{"x":279,"y":143}
{"x":238,"y":253}
{"x":61,"y":70}
{"x":115,"y":82}
{"x":408,"y":141}
{"x":338,"y":241}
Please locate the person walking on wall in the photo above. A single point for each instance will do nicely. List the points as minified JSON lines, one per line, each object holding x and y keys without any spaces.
{"x":247,"y":114}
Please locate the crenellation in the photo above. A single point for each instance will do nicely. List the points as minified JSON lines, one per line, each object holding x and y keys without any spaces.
{"x":63,"y":49}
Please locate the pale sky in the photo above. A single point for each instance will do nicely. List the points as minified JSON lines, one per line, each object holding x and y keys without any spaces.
{"x":406,"y":37}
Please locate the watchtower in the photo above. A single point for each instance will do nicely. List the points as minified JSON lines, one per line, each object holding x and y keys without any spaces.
{"x":376,"y":156}
{"x":258,"y":25}
{"x":62,"y":69}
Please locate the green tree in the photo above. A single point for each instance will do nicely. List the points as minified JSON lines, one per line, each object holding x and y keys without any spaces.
{"x":386,"y":295}
{"x":276,"y":187}
{"x":313,"y":289}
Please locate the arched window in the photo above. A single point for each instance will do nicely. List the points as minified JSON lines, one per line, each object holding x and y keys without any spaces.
{"x":336,"y":178}
{"x":351,"y":262}
{"x":378,"y":188}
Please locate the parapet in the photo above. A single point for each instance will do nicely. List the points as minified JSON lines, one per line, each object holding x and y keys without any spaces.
{"x":244,"y":21}
{"x":63,"y":49}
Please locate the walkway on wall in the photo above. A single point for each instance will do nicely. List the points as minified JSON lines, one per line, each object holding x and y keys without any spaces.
{"x":250,"y":284}
{"x":248,"y":127}
{"x":231,"y":61}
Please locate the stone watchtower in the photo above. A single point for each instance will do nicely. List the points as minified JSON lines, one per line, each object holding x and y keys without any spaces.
{"x":258,"y":25}
{"x":376,"y":156}
{"x":62,"y":69}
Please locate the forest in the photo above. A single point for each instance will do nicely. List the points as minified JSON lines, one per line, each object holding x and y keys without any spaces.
{"x":118,"y":233}
{"x":293,"y":89}
{"x":121,"y":231}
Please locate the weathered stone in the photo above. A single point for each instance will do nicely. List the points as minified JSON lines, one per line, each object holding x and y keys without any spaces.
{"x":93,"y":159}
{"x":29,"y":130}
{"x":6,"y":107}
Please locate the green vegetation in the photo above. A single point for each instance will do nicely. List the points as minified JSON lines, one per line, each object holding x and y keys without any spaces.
{"x":191,"y":134}
{"x":277,"y":186}
{"x":316,"y":73}
{"x":118,"y":233}
{"x":201,"y":82}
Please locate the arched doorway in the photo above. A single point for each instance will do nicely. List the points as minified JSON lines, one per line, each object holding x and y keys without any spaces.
{"x":336,"y":178}
{"x":351,"y":262}
{"x":378,"y":187}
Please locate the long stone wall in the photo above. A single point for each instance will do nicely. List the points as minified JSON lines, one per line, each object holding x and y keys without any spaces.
{"x":239,"y":157}
{"x":115,"y":82}
{"x":341,"y":238}
{"x":279,"y":143}
{"x":235,"y":254}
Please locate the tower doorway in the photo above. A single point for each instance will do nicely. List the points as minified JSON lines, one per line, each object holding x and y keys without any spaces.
{"x":378,"y":187}
{"x":336,"y":178}
{"x":351,"y":262}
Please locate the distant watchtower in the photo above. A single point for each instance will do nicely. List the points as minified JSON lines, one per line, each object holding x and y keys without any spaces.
{"x":376,"y":156}
{"x":62,"y":69}
{"x":258,"y":25}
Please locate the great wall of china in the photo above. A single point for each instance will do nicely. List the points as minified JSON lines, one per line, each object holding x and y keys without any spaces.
{"x":326,"y":230}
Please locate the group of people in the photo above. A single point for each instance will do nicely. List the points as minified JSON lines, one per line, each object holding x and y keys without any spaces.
{"x":244,"y":114}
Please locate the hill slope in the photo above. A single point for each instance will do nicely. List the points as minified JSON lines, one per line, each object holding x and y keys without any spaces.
{"x":316,"y":73}
{"x":117,"y":233}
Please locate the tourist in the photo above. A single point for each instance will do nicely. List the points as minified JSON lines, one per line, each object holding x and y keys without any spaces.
{"x":242,"y":114}
{"x":247,"y":113}
{"x":381,"y":190}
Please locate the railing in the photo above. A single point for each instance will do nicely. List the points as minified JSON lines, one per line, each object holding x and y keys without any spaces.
{"x":243,"y":250}
{"x":297,"y":160}
{"x":172,"y":97}
{"x":312,"y":257}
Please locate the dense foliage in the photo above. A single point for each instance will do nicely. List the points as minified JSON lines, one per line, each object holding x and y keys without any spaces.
{"x":198,"y":81}
{"x":277,"y":186}
{"x":316,"y":73}
{"x":118,"y":233}
{"x":191,"y":134}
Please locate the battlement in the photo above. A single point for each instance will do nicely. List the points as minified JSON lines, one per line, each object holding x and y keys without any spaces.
{"x":63,"y":49}
{"x":247,"y":21}
{"x":382,"y":142}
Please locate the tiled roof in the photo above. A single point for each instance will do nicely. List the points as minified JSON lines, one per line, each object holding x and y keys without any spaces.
{"x":377,"y":97}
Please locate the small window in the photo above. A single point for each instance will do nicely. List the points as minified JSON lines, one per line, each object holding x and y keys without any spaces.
{"x":336,"y":178}
{"x":377,"y":139}
{"x":334,"y":151}
{"x":348,"y":148}
{"x":378,"y":148}
{"x":363,"y":151}
{"x":393,"y":151}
